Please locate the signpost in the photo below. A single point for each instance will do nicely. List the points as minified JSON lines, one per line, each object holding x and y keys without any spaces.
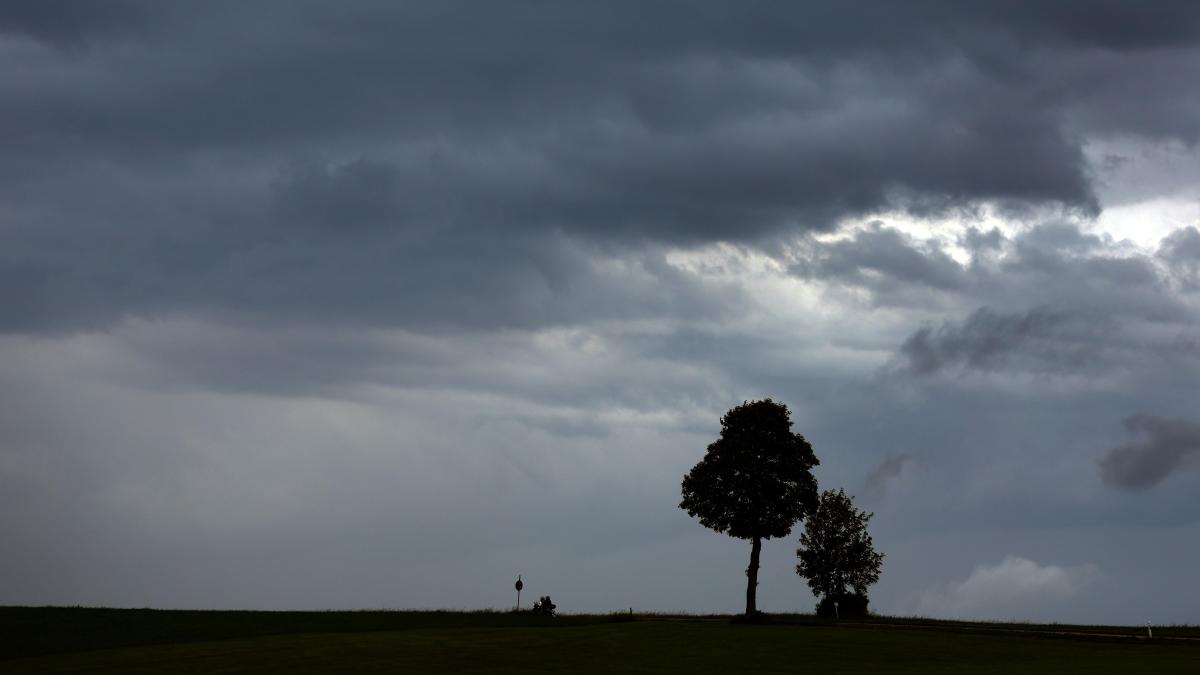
{"x":519,"y":585}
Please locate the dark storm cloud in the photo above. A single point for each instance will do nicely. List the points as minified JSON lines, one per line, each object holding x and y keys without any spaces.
{"x":286,"y":287}
{"x":1181,"y":251}
{"x":335,"y":242}
{"x":881,"y":256}
{"x":1140,"y":465}
{"x":979,"y":242}
{"x":355,"y":194}
{"x":67,"y":23}
{"x":157,"y":154}
{"x":986,"y":340}
{"x":890,"y":467}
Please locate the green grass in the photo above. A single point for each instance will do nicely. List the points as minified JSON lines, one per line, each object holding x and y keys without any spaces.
{"x":150,"y":641}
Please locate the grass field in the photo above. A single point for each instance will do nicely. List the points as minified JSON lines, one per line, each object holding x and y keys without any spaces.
{"x":83,"y":640}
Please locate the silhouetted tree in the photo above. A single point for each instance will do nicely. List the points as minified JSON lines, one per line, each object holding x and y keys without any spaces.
{"x":755,"y":481}
{"x":836,"y":553}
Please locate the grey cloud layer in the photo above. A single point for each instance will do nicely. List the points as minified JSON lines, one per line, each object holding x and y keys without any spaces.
{"x":168,"y":158}
{"x":1052,"y":303}
{"x":287,"y":286}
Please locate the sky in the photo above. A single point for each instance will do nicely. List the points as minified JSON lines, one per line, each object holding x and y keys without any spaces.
{"x":380,"y":304}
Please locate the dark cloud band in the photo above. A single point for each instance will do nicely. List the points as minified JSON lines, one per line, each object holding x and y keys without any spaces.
{"x":1141,"y":465}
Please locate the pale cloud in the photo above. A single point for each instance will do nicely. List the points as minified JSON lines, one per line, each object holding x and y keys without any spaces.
{"x":1014,"y":588}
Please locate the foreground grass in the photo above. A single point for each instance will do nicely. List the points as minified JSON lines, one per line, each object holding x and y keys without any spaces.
{"x":490,"y":642}
{"x":32,"y":631}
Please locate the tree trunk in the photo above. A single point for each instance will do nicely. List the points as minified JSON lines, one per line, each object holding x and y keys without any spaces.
{"x":752,"y":577}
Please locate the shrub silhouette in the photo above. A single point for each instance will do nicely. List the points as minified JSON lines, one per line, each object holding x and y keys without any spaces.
{"x":544,"y":607}
{"x":849,"y":606}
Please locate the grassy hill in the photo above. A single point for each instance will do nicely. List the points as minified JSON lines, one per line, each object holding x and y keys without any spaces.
{"x":43,"y":640}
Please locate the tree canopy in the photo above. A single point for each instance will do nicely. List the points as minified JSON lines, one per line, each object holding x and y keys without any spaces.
{"x":836,"y":551}
{"x":754,"y":482}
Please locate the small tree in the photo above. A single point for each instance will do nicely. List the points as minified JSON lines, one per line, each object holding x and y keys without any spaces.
{"x":836,"y":553}
{"x":755,"y":481}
